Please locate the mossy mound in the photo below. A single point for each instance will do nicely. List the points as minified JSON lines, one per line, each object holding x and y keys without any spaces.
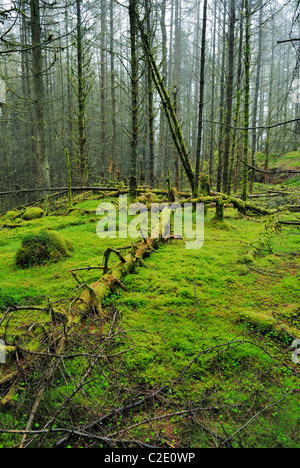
{"x":248,"y":258}
{"x":267,"y":325}
{"x":11,"y":214}
{"x":148,"y":197}
{"x":221,"y":225}
{"x":42,"y":248}
{"x":32,"y":213}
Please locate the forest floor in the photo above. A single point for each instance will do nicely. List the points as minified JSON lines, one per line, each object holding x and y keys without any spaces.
{"x":200,"y":350}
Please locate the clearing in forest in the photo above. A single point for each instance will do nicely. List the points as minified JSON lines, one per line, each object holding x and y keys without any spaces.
{"x":191,"y":348}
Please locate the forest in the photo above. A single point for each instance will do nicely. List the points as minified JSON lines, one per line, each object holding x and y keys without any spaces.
{"x":127,"y":127}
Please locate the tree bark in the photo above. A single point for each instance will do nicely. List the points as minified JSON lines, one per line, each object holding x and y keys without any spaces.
{"x":228,"y":118}
{"x":134,"y":96}
{"x":237,"y":106}
{"x":271,"y":86}
{"x":103,"y":90}
{"x":201,"y":99}
{"x":162,"y":151}
{"x":82,"y":157}
{"x":113,"y":88}
{"x":255,"y":106}
{"x":212,"y":135}
{"x":150,"y":106}
{"x":174,"y":124}
{"x":221,"y":130}
{"x":247,"y":98}
{"x":38,"y":90}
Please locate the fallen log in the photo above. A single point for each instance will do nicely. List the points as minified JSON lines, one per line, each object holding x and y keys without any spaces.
{"x":62,"y":189}
{"x":290,"y":223}
{"x":237,"y":203}
{"x":91,"y":299}
{"x":293,"y":208}
{"x":244,"y":206}
{"x":93,"y":296}
{"x":10,"y":226}
{"x":269,"y":195}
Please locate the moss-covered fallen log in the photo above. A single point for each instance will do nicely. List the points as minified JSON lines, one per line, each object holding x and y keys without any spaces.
{"x":205,"y":200}
{"x":244,"y":206}
{"x":94,"y":294}
{"x":289,"y":223}
{"x":240,"y":205}
{"x":10,"y":226}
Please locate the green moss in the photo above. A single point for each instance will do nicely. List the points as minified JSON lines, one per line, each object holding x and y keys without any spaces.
{"x":163,"y":328}
{"x":221,"y":225}
{"x":267,"y":325}
{"x":32,"y":213}
{"x":6,"y":300}
{"x":10,"y":215}
{"x":247,"y":259}
{"x":42,"y":248}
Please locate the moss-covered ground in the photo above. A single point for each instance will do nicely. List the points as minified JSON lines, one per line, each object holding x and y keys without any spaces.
{"x":212,"y":327}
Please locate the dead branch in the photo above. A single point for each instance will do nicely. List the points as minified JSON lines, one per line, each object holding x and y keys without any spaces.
{"x":88,"y":268}
{"x":88,"y":372}
{"x":107,"y":255}
{"x":152,"y":395}
{"x":290,"y":223}
{"x":263,"y":272}
{"x":196,"y":294}
{"x":264,"y":410}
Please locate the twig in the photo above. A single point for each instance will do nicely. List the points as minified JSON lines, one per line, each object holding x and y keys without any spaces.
{"x":290,"y":223}
{"x":88,"y":372}
{"x":164,"y":416}
{"x":288,"y":333}
{"x":78,"y":433}
{"x":152,"y":395}
{"x":106,"y":258}
{"x":88,"y":268}
{"x":5,"y":315}
{"x":196,"y":294}
{"x":268,"y":172}
{"x":263,"y":272}
{"x":255,"y":417}
{"x":288,"y":40}
{"x":29,"y":308}
{"x":254,"y":128}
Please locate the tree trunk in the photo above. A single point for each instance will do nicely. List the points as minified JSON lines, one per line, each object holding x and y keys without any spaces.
{"x":177,"y":80}
{"x":113,"y":89}
{"x":38,"y":89}
{"x":221,"y":131}
{"x":102,"y":86}
{"x":270,"y":109}
{"x":162,"y":151}
{"x":176,"y":157}
{"x":255,"y":106}
{"x":150,"y":105}
{"x":201,"y":100}
{"x":237,"y":105}
{"x":174,"y":124}
{"x":134,"y":96}
{"x":247,"y":99}
{"x":228,"y":118}
{"x":212,"y":134}
{"x":82,"y":157}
